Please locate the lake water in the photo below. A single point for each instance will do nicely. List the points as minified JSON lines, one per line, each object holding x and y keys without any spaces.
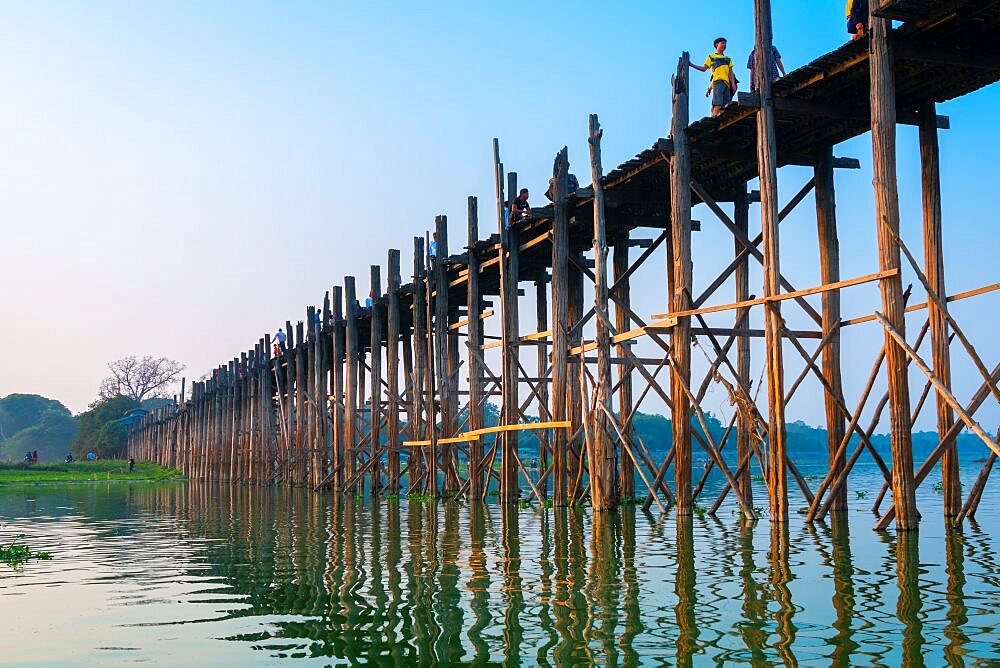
{"x":190,"y":574}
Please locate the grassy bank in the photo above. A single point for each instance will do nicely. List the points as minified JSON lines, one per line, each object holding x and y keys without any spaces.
{"x":100,"y":471}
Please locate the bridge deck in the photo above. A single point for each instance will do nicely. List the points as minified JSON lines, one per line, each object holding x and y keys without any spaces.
{"x":938,"y":58}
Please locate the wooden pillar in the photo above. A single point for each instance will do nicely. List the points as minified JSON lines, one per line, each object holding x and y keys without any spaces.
{"x":542,"y":364}
{"x":680,"y":295}
{"x":412,"y":419}
{"x":392,"y":368}
{"x":744,"y":423}
{"x":883,"y":122}
{"x":829,"y":260}
{"x":474,"y":306}
{"x":351,"y":377}
{"x":767,"y":165}
{"x":560,"y":317}
{"x":934,"y":268}
{"x":509,"y":490}
{"x":375,"y":412}
{"x":442,"y":356}
{"x":575,"y":405}
{"x":623,"y":323}
{"x":420,"y":429}
{"x":337,"y":362}
{"x":603,"y":468}
{"x":431,"y":461}
{"x":302,"y":445}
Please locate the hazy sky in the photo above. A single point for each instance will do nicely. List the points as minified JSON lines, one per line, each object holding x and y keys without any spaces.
{"x":179,"y":178}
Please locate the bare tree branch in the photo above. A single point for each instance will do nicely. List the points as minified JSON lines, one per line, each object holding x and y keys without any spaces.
{"x":140,"y":378}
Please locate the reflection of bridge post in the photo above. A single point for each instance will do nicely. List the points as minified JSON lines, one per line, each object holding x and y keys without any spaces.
{"x":754,"y":604}
{"x":633,"y":620}
{"x":843,"y":589}
{"x":781,"y":575}
{"x":479,"y":582}
{"x":602,"y":609}
{"x":513,"y":631}
{"x":957,"y":614}
{"x":684,"y":588}
{"x":451,"y":619}
{"x":909,"y":602}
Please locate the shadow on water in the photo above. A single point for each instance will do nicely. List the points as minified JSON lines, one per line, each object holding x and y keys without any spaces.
{"x":291,"y":574}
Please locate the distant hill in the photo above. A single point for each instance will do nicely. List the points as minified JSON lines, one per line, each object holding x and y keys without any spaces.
{"x":32,"y":422}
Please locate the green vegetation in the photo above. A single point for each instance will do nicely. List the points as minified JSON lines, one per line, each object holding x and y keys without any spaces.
{"x":525,"y":505}
{"x":17,"y":554}
{"x":99,"y":430}
{"x":861,"y":493}
{"x":103,"y":470}
{"x":30,"y":422}
{"x":413,"y":496}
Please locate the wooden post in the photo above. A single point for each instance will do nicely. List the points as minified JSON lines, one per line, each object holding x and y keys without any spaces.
{"x":934,"y":268}
{"x":623,"y":322}
{"x":542,"y":364}
{"x":767,"y":166}
{"x":560,"y":317}
{"x":475,"y":340}
{"x":351,"y":378}
{"x":420,"y":428}
{"x":301,"y":410}
{"x":509,"y":490}
{"x":883,"y":122}
{"x":603,"y":470}
{"x":375,"y":406}
{"x":442,"y":356}
{"x":744,"y":421}
{"x":392,"y":368}
{"x":829,"y":266}
{"x":680,"y":295}
{"x":337,"y":362}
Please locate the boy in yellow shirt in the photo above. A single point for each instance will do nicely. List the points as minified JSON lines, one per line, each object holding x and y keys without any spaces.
{"x":723,"y":84}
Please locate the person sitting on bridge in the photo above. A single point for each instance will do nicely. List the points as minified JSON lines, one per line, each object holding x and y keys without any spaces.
{"x":776,"y":65}
{"x":723,"y":83}
{"x":280,"y":336}
{"x":857,"y":18}
{"x":519,"y":208}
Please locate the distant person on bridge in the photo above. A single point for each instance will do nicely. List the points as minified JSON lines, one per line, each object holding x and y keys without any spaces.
{"x":519,"y":208}
{"x":280,"y":336}
{"x":857,"y":18}
{"x":776,"y":65}
{"x":723,"y":83}
{"x":131,"y":464}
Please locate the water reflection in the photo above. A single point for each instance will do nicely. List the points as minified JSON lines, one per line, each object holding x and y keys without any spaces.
{"x":278,"y":573}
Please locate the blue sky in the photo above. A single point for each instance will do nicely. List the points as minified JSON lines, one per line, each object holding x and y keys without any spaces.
{"x":180,"y":178}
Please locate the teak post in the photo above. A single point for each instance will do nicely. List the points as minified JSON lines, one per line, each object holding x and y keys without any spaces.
{"x":744,"y":421}
{"x":475,"y":341}
{"x":604,"y":493}
{"x":883,"y":124}
{"x":560,"y":319}
{"x":680,"y":295}
{"x":829,"y":267}
{"x":930,"y":171}
{"x":351,"y":377}
{"x":767,"y":166}
{"x":392,"y":368}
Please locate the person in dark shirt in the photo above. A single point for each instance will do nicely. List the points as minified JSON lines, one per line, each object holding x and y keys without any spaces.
{"x":776,"y":66}
{"x":519,"y":208}
{"x":131,"y":464}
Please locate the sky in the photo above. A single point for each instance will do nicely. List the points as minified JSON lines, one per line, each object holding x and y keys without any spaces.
{"x":180,"y":178}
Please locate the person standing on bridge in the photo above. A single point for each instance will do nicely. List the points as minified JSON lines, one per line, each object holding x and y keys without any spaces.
{"x":857,"y":18}
{"x":280,"y":336}
{"x":723,"y":84}
{"x":776,"y":65}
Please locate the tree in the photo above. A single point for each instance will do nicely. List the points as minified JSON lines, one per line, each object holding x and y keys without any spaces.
{"x":99,"y":430}
{"x":139,"y":378}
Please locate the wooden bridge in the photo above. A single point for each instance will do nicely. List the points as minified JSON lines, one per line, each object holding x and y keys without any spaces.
{"x":390,"y":397}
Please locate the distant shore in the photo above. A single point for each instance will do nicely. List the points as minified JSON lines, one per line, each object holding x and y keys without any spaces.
{"x":85,"y":471}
